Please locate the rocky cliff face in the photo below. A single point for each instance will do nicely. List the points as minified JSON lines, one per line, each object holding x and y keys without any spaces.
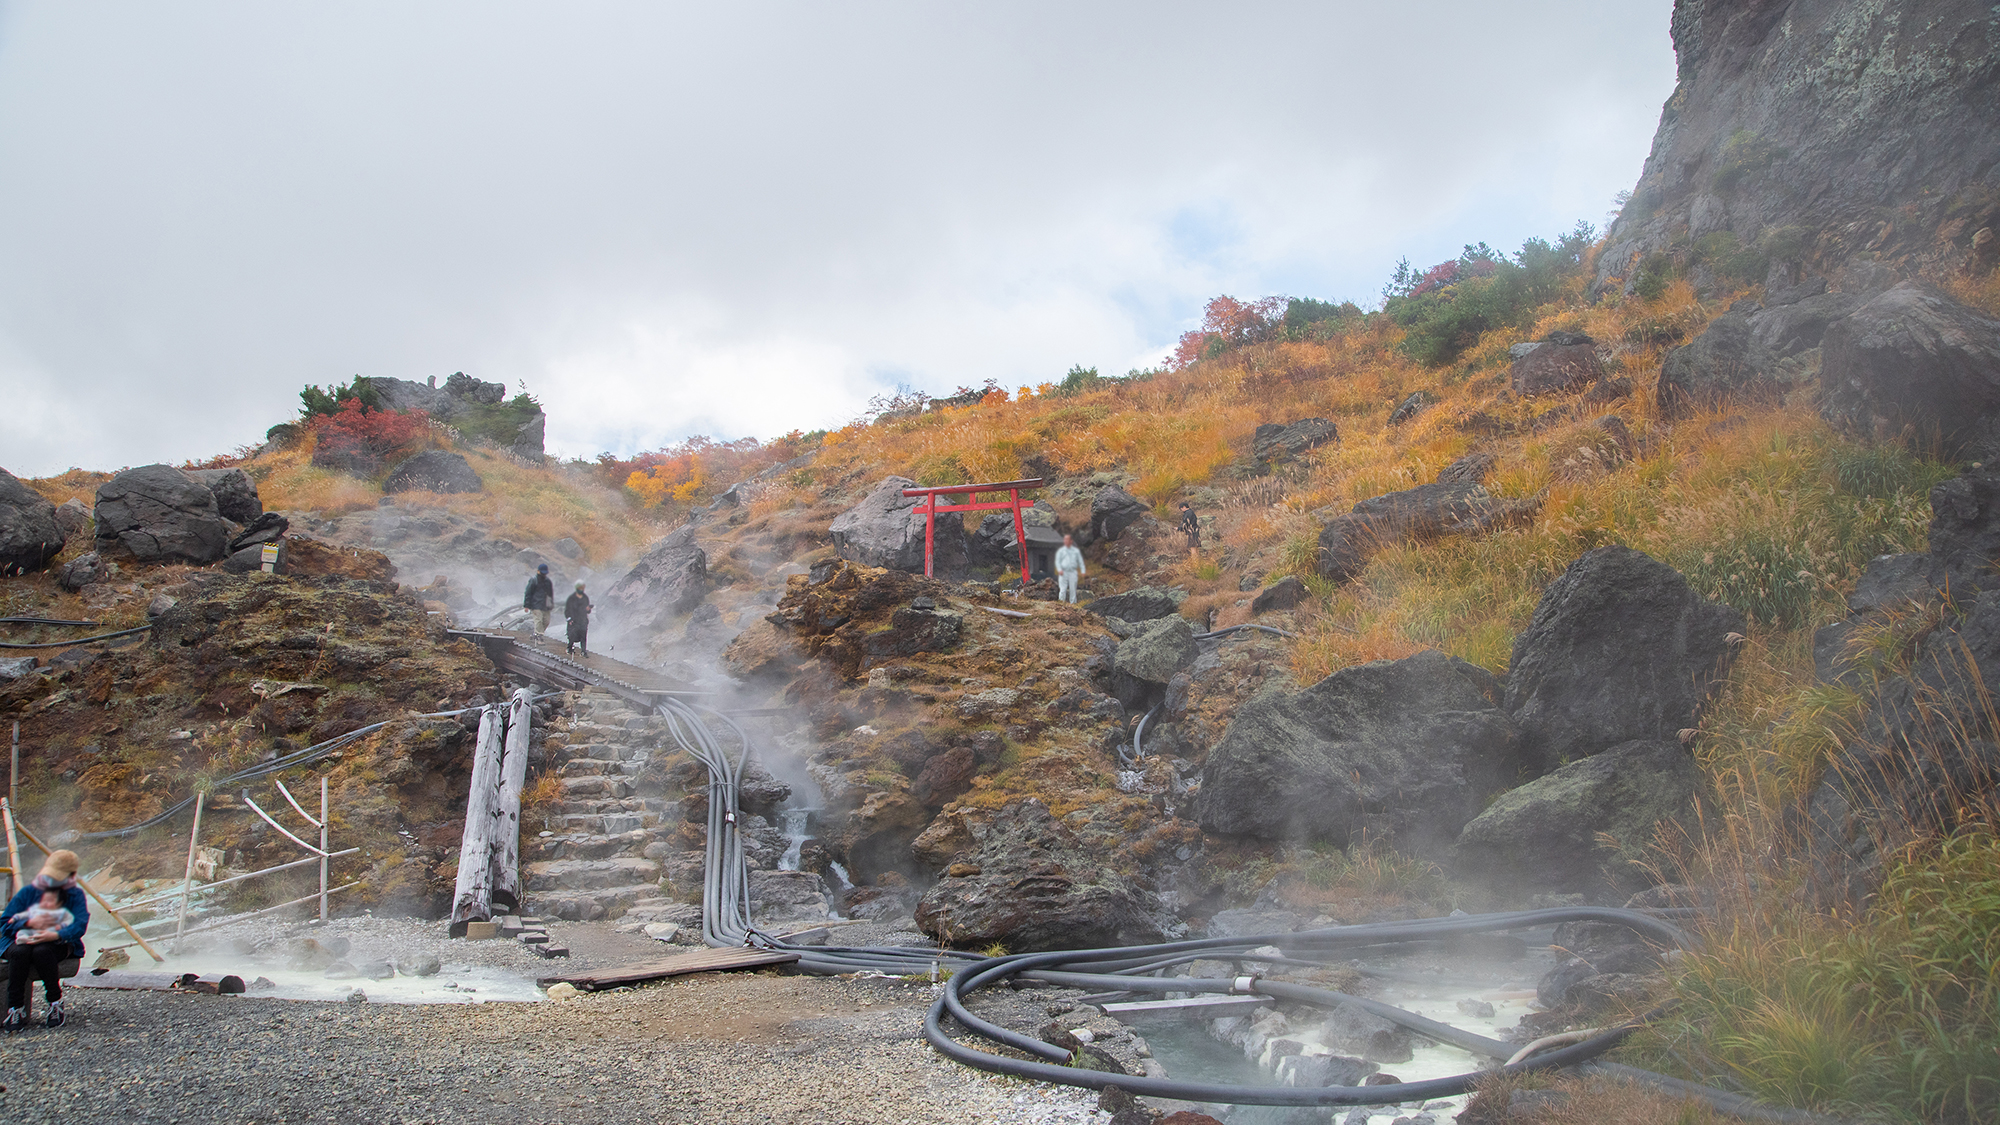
{"x":477,"y":408}
{"x":1805,"y":132}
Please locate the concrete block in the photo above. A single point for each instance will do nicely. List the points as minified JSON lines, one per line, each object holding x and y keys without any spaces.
{"x":480,"y":931}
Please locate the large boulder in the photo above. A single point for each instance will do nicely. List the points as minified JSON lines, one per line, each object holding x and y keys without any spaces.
{"x":29,"y":534}
{"x":72,"y":518}
{"x":1274,"y":444}
{"x":1551,"y":834}
{"x":1722,"y":363}
{"x":157,"y":513}
{"x":1430,"y":511}
{"x":1143,"y":603}
{"x":1620,"y":649}
{"x":1564,"y":363}
{"x":1915,"y":365}
{"x":885,"y":530}
{"x":1147,"y":660}
{"x":1785,"y":327}
{"x":670,"y":579}
{"x":1113,"y":510}
{"x":433,"y":470}
{"x":235,"y":493}
{"x":1406,"y":750}
{"x":1032,"y":885}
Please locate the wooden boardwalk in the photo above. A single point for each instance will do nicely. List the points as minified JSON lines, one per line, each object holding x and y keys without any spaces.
{"x":699,"y":961}
{"x":543,"y":657}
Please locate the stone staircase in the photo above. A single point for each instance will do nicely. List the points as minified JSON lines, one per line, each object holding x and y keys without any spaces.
{"x":601,"y":857}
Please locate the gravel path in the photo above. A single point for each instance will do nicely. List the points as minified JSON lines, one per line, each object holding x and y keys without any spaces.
{"x":736,"y":1048}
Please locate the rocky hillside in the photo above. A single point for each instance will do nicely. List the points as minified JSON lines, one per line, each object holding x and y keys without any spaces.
{"x":1804,"y":132}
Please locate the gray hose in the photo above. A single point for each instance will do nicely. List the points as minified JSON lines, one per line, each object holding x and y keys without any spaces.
{"x":79,"y":640}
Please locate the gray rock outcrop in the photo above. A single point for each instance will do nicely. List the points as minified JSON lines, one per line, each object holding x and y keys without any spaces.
{"x":1430,"y":511}
{"x":157,"y":513}
{"x":1725,"y":362}
{"x":464,"y":400}
{"x":1916,"y":365}
{"x":1275,"y":444}
{"x":29,"y":534}
{"x":235,"y":493}
{"x":1113,"y":510}
{"x":994,"y":543}
{"x":72,"y":518}
{"x":1621,"y":649}
{"x":1818,"y":129}
{"x":1557,"y":367}
{"x":1547,"y":834}
{"x":670,"y":579}
{"x":1404,"y":750}
{"x":1032,"y":885}
{"x":885,"y":530}
{"x":81,"y":571}
{"x":1793,"y":321}
{"x":433,"y":470}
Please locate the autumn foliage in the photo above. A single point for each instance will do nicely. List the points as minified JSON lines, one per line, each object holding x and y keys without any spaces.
{"x":361,"y":435}
{"x":691,"y":471}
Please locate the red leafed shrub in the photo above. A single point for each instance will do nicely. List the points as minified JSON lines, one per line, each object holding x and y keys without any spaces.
{"x":1228,"y":323}
{"x":358,"y":440}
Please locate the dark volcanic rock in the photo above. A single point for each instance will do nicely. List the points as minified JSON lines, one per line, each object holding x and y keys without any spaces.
{"x":72,"y":518}
{"x":29,"y":535}
{"x":668,"y":580}
{"x":1283,"y":594}
{"x":994,"y":543}
{"x":1112,"y":511}
{"x":1409,"y":408}
{"x":235,"y":493}
{"x":1037,"y":887}
{"x":81,"y":571}
{"x":1408,"y":749}
{"x":1915,"y":365}
{"x":1274,"y":444}
{"x":1620,"y":649}
{"x":157,"y":513}
{"x":883,"y":530}
{"x":1554,"y":368}
{"x":1453,"y":507}
{"x":1817,"y":129}
{"x":1147,"y":660}
{"x":1722,"y":363}
{"x":1145,"y":603}
{"x":1546,"y":834}
{"x":433,"y":470}
{"x":1790,"y":328}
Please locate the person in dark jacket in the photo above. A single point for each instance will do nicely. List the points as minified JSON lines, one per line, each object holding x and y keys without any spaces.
{"x":540,"y":598}
{"x":576,"y":610}
{"x":1192,"y":526}
{"x":32,"y":955}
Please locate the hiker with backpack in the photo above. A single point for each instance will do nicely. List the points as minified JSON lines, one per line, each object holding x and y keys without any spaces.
{"x":540,"y":598}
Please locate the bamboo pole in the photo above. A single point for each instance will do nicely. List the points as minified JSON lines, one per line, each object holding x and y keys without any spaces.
{"x":187,"y":886}
{"x":95,"y":897}
{"x":324,"y":858}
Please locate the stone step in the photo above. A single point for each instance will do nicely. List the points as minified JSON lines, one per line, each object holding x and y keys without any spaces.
{"x":604,"y":824}
{"x":595,"y":845}
{"x":604,"y":787}
{"x":593,"y":805}
{"x":600,"y":767}
{"x":591,"y":874}
{"x":589,"y":905}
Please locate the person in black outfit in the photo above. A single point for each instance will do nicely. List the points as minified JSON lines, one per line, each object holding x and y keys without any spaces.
{"x":540,"y":598}
{"x":30,"y":956}
{"x":576,"y":610}
{"x":1191,"y":525}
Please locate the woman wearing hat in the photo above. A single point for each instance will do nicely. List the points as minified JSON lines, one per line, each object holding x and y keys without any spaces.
{"x":34,"y":953}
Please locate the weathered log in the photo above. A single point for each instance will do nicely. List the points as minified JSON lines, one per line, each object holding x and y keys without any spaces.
{"x":507,"y":812}
{"x":472,"y":900}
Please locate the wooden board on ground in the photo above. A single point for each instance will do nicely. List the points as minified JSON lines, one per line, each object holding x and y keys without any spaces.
{"x":700,"y":961}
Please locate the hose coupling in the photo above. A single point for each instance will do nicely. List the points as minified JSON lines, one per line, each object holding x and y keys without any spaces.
{"x":1243,"y":985}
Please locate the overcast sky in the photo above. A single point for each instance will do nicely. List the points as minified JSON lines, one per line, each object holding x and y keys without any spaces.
{"x":740,"y":219}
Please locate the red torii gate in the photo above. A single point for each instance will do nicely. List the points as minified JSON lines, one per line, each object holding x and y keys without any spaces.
{"x":930,"y":508}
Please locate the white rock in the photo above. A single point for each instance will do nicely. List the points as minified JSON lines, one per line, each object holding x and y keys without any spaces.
{"x":562,"y":990}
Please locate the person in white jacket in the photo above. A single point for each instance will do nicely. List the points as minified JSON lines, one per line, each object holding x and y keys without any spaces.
{"x":1069,"y":566}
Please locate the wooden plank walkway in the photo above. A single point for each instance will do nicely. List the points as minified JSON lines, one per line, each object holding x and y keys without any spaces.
{"x":699,"y":961}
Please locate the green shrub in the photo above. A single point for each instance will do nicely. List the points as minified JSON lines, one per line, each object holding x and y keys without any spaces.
{"x":315,"y":402}
{"x":1656,"y":270}
{"x":498,"y":422}
{"x":1445,"y":309}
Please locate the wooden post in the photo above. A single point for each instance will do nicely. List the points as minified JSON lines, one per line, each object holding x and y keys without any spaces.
{"x":187,"y":887}
{"x":322,"y":847}
{"x":472,"y":900}
{"x":14,"y":767}
{"x":94,"y":896}
{"x":13,"y":849}
{"x":507,"y":888}
{"x":930,"y":519}
{"x":1020,"y":532}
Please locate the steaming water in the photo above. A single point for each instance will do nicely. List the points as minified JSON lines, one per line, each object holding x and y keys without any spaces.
{"x":795,"y":823}
{"x":1427,"y":983}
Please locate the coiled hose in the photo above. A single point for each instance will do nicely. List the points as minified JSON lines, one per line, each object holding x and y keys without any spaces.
{"x":726,"y":922}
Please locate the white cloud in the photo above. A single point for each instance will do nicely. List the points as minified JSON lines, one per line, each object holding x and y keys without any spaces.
{"x":739,"y":219}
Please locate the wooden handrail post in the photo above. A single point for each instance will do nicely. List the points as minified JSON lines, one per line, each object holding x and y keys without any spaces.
{"x":187,"y":886}
{"x":13,"y":849}
{"x":322,"y":848}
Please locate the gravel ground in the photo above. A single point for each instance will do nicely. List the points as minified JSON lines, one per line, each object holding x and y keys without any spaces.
{"x":737,"y":1048}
